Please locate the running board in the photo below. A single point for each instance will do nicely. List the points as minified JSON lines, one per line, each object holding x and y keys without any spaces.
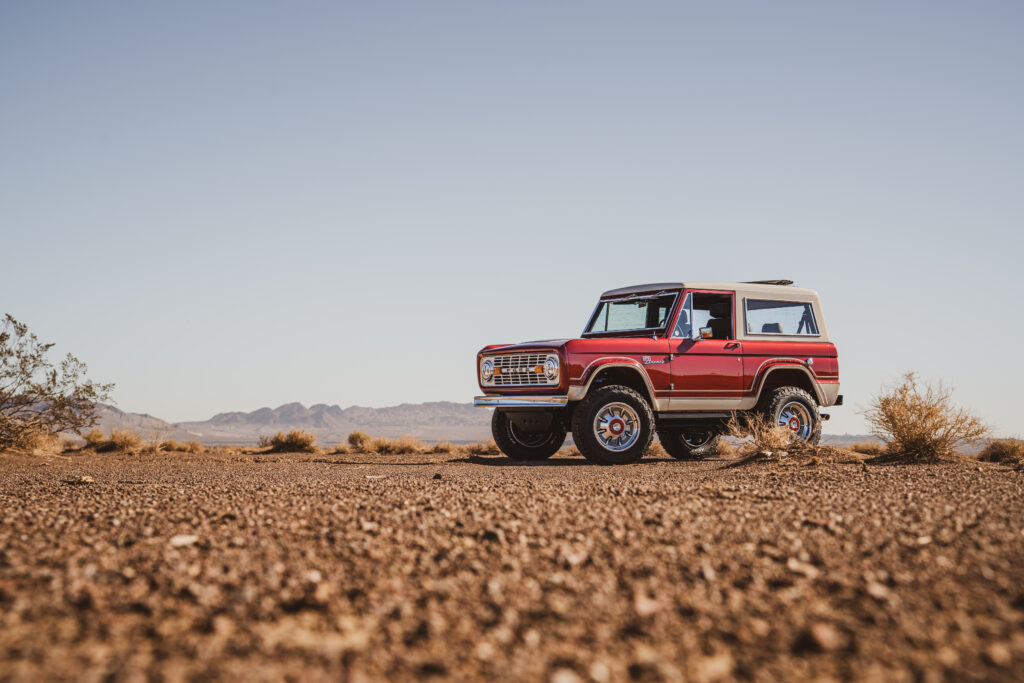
{"x":694,"y":415}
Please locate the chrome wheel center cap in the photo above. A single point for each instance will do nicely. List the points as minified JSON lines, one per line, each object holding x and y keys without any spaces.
{"x":794,"y":423}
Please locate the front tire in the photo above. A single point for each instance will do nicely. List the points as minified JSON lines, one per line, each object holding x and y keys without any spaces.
{"x":689,"y":444}
{"x":529,"y":446}
{"x":613,"y":425}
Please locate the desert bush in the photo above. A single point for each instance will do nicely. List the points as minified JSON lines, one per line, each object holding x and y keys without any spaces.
{"x":1007,"y":451}
{"x":571,"y":452}
{"x":124,"y":440}
{"x":295,"y":441}
{"x":38,"y":397}
{"x":401,"y":446}
{"x":341,"y":449}
{"x":481,"y":448}
{"x":173,"y":446}
{"x":765,"y":441}
{"x":95,"y":438}
{"x":920,"y":424}
{"x":725,"y":449}
{"x":194,"y":446}
{"x":873,"y":448}
{"x":68,"y":444}
{"x":441,"y":447}
{"x":359,"y":441}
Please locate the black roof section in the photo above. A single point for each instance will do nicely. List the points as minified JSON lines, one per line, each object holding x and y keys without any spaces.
{"x":653,"y":288}
{"x":784,"y":283}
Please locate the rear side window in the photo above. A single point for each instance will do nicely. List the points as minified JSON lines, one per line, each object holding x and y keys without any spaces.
{"x":780,"y":317}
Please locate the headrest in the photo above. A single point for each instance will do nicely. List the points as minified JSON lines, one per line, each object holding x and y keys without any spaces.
{"x":721,"y":309}
{"x":772,"y":328}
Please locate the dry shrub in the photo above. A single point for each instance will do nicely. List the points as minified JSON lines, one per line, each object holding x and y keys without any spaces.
{"x":178,"y":447}
{"x":194,"y":446}
{"x":341,"y":449}
{"x":68,"y":444}
{"x":441,"y":447}
{"x":656,"y":450}
{"x":359,"y":441}
{"x":725,"y":449}
{"x":921,"y":424}
{"x":571,"y":452}
{"x":1006,"y":451}
{"x":403,"y":445}
{"x":295,"y":441}
{"x":481,"y":448}
{"x":95,"y":438}
{"x":765,"y":441}
{"x":868,"y":448}
{"x":36,"y":441}
{"x":122,"y":440}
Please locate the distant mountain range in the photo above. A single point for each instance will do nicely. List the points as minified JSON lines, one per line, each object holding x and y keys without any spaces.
{"x":442,"y":420}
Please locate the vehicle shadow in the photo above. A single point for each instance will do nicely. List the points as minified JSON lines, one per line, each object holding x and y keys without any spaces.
{"x":502,"y":461}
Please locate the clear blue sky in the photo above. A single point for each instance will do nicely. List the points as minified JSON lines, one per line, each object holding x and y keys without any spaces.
{"x":221,"y":206}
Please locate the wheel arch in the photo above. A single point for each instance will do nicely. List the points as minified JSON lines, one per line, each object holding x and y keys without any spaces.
{"x":629,"y":374}
{"x":787,"y":375}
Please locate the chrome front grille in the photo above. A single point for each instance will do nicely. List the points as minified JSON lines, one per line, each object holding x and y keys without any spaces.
{"x":520,"y":370}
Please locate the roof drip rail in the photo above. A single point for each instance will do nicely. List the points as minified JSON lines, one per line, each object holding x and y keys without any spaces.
{"x":784,"y":283}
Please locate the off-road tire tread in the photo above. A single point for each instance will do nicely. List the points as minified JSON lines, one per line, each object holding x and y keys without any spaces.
{"x":517,"y":451}
{"x":583,"y":418}
{"x":673,"y":444}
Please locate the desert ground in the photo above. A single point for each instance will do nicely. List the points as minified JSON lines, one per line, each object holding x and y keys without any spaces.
{"x":367,"y":567}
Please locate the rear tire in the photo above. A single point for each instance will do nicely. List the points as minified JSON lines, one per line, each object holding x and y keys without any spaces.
{"x":795,"y":408}
{"x":613,"y":425}
{"x":530,"y":446}
{"x":689,"y":444}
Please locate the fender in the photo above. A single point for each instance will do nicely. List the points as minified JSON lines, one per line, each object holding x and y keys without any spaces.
{"x":578,"y":391}
{"x":786,"y":364}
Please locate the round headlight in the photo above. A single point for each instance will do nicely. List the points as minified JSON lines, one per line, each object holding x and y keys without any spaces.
{"x":551,"y":368}
{"x":487,"y":370}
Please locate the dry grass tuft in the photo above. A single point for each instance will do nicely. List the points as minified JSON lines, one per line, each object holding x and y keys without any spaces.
{"x":921,"y":424}
{"x":725,"y":449}
{"x":442,"y":447}
{"x":120,"y":440}
{"x":341,"y":449}
{"x":765,"y":441}
{"x":295,"y":441}
{"x":403,"y":445}
{"x":481,"y":448}
{"x":872,"y":448}
{"x":173,"y":446}
{"x":1006,"y":451}
{"x":359,"y":441}
{"x":95,"y":438}
{"x":571,"y":452}
{"x":656,"y":450}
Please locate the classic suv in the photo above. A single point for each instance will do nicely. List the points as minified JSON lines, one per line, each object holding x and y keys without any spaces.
{"x":674,"y":358}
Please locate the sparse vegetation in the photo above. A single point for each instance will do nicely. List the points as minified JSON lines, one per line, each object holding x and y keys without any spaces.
{"x":38,"y":398}
{"x":173,"y":446}
{"x":124,"y":440}
{"x":481,"y":448}
{"x":294,"y":441}
{"x":1006,"y":451}
{"x":763,"y":440}
{"x":359,"y":441}
{"x":441,"y":447}
{"x":872,"y":448}
{"x":921,"y":424}
{"x":656,"y":450}
{"x":95,"y":438}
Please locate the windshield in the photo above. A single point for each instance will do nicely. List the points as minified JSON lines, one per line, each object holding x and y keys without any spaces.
{"x":636,"y":314}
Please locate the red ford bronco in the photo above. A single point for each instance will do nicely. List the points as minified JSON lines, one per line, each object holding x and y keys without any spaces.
{"x":673,"y":358}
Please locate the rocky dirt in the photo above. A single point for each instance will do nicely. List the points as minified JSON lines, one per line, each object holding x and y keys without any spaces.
{"x":370,"y":567}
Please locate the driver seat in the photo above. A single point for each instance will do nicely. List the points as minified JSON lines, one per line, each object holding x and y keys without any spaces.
{"x":721,"y":320}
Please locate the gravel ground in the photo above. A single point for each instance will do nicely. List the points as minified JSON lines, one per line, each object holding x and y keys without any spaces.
{"x":368,"y":567}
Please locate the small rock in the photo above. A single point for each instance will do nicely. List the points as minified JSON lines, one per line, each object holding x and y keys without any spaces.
{"x":183,"y":540}
{"x":877,"y":590}
{"x":924,"y":540}
{"x":644,"y":604}
{"x":825,"y":637}
{"x":797,"y":567}
{"x":998,"y":654}
{"x":565,"y":676}
{"x":714,"y":668}
{"x":437,"y":476}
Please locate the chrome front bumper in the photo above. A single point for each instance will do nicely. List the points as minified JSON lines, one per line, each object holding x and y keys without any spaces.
{"x":521,"y":401}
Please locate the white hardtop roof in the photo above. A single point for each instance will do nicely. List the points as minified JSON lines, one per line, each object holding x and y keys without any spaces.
{"x":784,"y":291}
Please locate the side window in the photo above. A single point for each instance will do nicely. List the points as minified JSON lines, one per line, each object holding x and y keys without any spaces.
{"x":683,"y":328}
{"x":780,"y":317}
{"x":705,"y":309}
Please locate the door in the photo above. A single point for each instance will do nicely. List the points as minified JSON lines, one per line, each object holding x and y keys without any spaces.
{"x":706,"y":374}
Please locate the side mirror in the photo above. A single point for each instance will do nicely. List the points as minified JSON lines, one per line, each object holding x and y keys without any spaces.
{"x":706,"y":333}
